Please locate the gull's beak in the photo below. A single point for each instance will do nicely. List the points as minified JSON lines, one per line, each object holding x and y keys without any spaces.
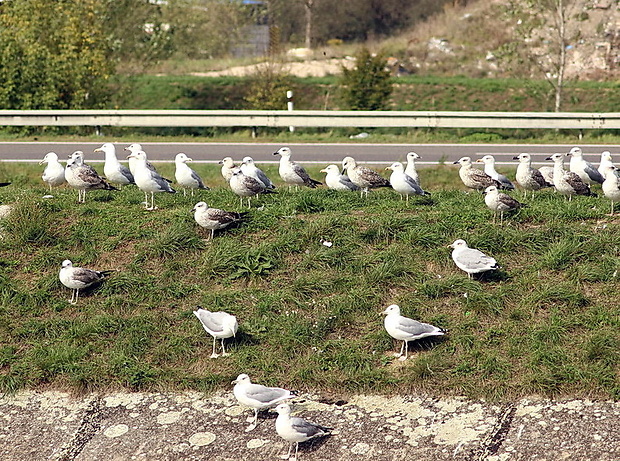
{"x":98,"y":149}
{"x":454,"y":163}
{"x":276,"y":153}
{"x":515,"y":158}
{"x":42,"y":162}
{"x":189,"y":159}
{"x":323,"y":171}
{"x":548,"y":158}
{"x":479,"y":161}
{"x":221,"y":162}
{"x":125,"y":148}
{"x":233,"y":382}
{"x":193,"y":210}
{"x":344,"y":170}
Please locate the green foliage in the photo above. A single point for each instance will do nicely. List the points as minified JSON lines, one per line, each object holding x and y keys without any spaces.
{"x":368,"y":85}
{"x":267,"y":88}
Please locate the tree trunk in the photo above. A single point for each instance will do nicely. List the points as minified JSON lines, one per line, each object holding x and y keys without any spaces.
{"x":308,"y":4}
{"x":562,"y":62}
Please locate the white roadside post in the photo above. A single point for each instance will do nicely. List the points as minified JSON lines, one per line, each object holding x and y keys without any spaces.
{"x":289,"y":105}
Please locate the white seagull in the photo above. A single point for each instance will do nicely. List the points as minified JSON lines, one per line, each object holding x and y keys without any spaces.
{"x":220,"y":325}
{"x":565,"y":182}
{"x":611,"y":186}
{"x":530,"y":179}
{"x":114,"y":171}
{"x":472,"y":177}
{"x":405,"y":329}
{"x":500,"y":202}
{"x":148,"y":180}
{"x":471,"y":260}
{"x":411,"y":170}
{"x":586,"y":171}
{"x":249,"y":168}
{"x":489,"y":168}
{"x":185,"y":176}
{"x":246,"y":186}
{"x":54,"y":173}
{"x":337,"y":181}
{"x":83,"y":177}
{"x":228,"y":166}
{"x":292,"y":173}
{"x":402,"y":183}
{"x":296,"y":430}
{"x":362,"y":176}
{"x":258,"y":397}
{"x":78,"y":278}
{"x":606,"y":161}
{"x":214,"y":218}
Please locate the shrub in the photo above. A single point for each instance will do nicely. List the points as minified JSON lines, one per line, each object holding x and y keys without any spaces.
{"x":368,"y":85}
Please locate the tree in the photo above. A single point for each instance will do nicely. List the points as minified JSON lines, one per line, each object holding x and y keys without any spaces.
{"x":368,"y":85}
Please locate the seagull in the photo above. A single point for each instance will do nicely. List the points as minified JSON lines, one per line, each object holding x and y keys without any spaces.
{"x":471,"y":260}
{"x":114,"y":171}
{"x":185,"y":176}
{"x":565,"y":182}
{"x":410,"y":170}
{"x":405,"y":329}
{"x":247,"y":186}
{"x":527,"y":177}
{"x":473,"y":178}
{"x":337,"y":181}
{"x":489,"y":168}
{"x":83,"y":177}
{"x":586,"y":171}
{"x":547,"y":172}
{"x":148,"y":180}
{"x":611,"y":186}
{"x":78,"y":278}
{"x":257,"y":396}
{"x":214,"y":218}
{"x":363,"y":177}
{"x":292,"y":173}
{"x":135,"y":147}
{"x":606,"y":161}
{"x":220,"y":325}
{"x":54,"y":173}
{"x":498,"y":201}
{"x":227,"y":167}
{"x":296,"y":430}
{"x":403,"y":183}
{"x":248,"y":168}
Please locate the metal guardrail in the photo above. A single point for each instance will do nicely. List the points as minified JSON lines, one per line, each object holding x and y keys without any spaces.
{"x":309,"y":118}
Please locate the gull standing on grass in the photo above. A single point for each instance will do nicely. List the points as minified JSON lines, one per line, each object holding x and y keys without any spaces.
{"x":489,"y":168}
{"x":411,"y":170}
{"x":471,"y":260}
{"x":228,"y":166}
{"x":258,"y":397}
{"x":148,"y":180}
{"x":135,"y":147}
{"x":83,"y":177}
{"x":185,"y":176}
{"x":530,"y":179}
{"x":606,"y":161}
{"x":403,"y":183}
{"x":220,"y":325}
{"x":214,"y":218}
{"x":54,"y":173}
{"x":498,"y":201}
{"x":247,"y":186}
{"x":78,"y":278}
{"x":292,"y":173}
{"x":114,"y":171}
{"x":405,"y":329}
{"x":249,"y":168}
{"x":565,"y":182}
{"x":586,"y":171}
{"x":295,"y":430}
{"x":363,"y":177}
{"x":474,"y":178}
{"x":337,"y":181}
{"x":611,"y":186}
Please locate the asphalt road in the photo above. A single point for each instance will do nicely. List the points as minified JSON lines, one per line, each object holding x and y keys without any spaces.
{"x":307,"y":153}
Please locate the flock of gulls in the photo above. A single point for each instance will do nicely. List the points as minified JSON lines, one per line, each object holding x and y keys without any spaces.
{"x":247,"y":181}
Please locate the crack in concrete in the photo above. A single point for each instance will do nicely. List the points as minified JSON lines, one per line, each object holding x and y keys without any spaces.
{"x":496,"y":437}
{"x":91,"y":423}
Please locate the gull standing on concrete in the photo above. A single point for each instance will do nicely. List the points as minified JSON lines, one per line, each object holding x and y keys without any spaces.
{"x":611,"y":186}
{"x":363,"y":177}
{"x":296,"y":430}
{"x":498,"y":201}
{"x":586,"y":171}
{"x":403,"y":183}
{"x":228,"y":166}
{"x":411,"y":170}
{"x":78,"y":278}
{"x":83,"y":177}
{"x":220,"y":325}
{"x":148,"y":180}
{"x":249,"y":168}
{"x":258,"y":397}
{"x":337,"y":181}
{"x":185,"y":176}
{"x":565,"y":182}
{"x":114,"y":171}
{"x":471,"y":260}
{"x":489,"y":168}
{"x":473,"y":178}
{"x":292,"y":173}
{"x":405,"y":329}
{"x":214,"y":218}
{"x":530,"y":179}
{"x":54,"y":173}
{"x":247,"y":186}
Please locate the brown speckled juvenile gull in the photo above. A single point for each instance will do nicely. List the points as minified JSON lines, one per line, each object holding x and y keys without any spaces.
{"x":83,"y":177}
{"x":363,"y":177}
{"x":500,"y":202}
{"x":565,"y":182}
{"x":214,"y":218}
{"x":292,"y":173}
{"x":530,"y":179}
{"x":474,"y":178}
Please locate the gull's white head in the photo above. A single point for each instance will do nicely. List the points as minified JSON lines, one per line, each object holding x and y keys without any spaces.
{"x":49,"y":157}
{"x":575,"y":152}
{"x":396,"y":166}
{"x":67,"y":263}
{"x":106,"y":148}
{"x":200,"y":206}
{"x":459,"y":243}
{"x":134,"y":147}
{"x":227,"y":162}
{"x":76,"y":158}
{"x":557,"y":158}
{"x":248,"y":161}
{"x":411,"y":156}
{"x":283,"y":151}
{"x":606,"y":156}
{"x":331,"y":169}
{"x":523,"y":157}
{"x":138,"y":155}
{"x":242,"y":378}
{"x":348,"y":162}
{"x":392,"y":309}
{"x":487,"y":160}
{"x":491,"y":190}
{"x":182,"y":158}
{"x":609,"y":170}
{"x":283,"y":409}
{"x":463,"y":161}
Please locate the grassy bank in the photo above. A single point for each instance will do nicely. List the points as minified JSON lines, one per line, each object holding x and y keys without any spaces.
{"x":309,"y":315}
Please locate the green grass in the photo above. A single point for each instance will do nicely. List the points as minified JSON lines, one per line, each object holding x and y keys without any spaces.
{"x":309,"y":315}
